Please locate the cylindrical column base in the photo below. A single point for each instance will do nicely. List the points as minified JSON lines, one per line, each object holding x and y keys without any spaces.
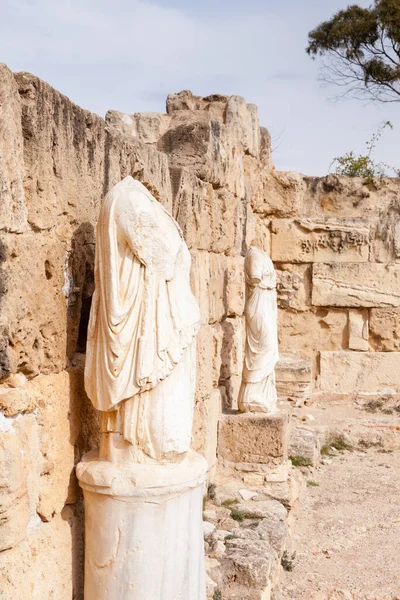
{"x":143,"y":529}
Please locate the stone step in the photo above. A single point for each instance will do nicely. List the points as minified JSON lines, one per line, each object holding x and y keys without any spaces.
{"x":293,"y":379}
{"x":348,"y":426}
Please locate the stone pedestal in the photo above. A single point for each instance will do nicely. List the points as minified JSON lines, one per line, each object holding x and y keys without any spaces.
{"x":143,"y":529}
{"x":255,"y":443}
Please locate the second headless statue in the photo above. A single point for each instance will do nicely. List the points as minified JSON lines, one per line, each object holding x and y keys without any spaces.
{"x":258,"y":389}
{"x":140,"y":365}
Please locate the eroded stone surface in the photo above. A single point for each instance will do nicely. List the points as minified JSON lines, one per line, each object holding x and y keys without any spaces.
{"x":359,"y":372}
{"x":324,"y":240}
{"x":356,"y":285}
{"x":358,"y":330}
{"x":13,"y":208}
{"x":384,"y":329}
{"x":253,"y":438}
{"x":57,"y":162}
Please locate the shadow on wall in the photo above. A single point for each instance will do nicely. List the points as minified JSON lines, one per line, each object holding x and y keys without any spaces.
{"x":83,"y":418}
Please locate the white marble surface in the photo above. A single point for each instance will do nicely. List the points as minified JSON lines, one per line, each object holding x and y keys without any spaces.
{"x":143,"y":529}
{"x":258,"y":390}
{"x":143,"y":488}
{"x":140,"y":361}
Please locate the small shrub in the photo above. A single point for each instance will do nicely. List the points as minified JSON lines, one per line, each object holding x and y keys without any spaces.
{"x":217,"y":595}
{"x":211,"y":491}
{"x":288,"y":560}
{"x":229,"y":502}
{"x":300,"y":461}
{"x":311,"y":483}
{"x":339,"y":443}
{"x":237,"y":515}
{"x":241,"y":515}
{"x":362,"y":165}
{"x":336,"y":441}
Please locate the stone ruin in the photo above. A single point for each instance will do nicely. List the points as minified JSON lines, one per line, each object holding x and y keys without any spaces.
{"x":335,"y":244}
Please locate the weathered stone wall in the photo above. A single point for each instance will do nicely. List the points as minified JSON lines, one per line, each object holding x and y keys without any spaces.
{"x":335,"y":243}
{"x":204,"y":161}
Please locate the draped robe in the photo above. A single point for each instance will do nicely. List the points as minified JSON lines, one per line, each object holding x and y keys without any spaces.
{"x":143,"y":322}
{"x":258,"y":391}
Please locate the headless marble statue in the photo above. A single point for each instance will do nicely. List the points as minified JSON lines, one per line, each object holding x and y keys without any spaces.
{"x":140,"y":363}
{"x":258,"y":391}
{"x":145,"y":484}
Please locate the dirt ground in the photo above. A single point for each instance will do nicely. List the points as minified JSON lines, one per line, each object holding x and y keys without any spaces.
{"x":348,"y":530}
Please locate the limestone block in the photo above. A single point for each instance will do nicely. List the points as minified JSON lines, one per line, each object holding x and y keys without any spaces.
{"x":205,"y":428}
{"x":209,"y":344}
{"x":193,"y":140}
{"x":48,"y":564}
{"x":271,"y":516}
{"x":349,"y":197}
{"x":59,"y":421}
{"x":232,"y":355}
{"x":306,"y":333}
{"x":14,"y":400}
{"x":358,"y":330}
{"x":13,"y":209}
{"x":192,"y":201}
{"x":228,"y":219}
{"x":47,"y":440}
{"x":147,"y":127}
{"x":253,"y":438}
{"x":34,"y":265}
{"x":235,"y":286}
{"x":122,"y":122}
{"x":63,"y":155}
{"x":320,"y":240}
{"x":186,"y":100}
{"x":356,"y":285}
{"x":262,"y":232}
{"x":385,"y":235}
{"x":217,"y":282}
{"x":217,"y":286}
{"x":242,"y":120}
{"x":294,"y":286}
{"x":384,"y":329}
{"x":305,"y":443}
{"x":201,"y":141}
{"x":20,"y":464}
{"x":200,"y":282}
{"x":150,"y":126}
{"x":359,"y":372}
{"x":293,"y":378}
{"x":283,"y":195}
{"x":250,"y":226}
{"x":126,"y":155}
{"x":291,"y":368}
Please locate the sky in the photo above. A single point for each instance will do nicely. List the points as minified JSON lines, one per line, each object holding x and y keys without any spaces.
{"x":128,"y":55}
